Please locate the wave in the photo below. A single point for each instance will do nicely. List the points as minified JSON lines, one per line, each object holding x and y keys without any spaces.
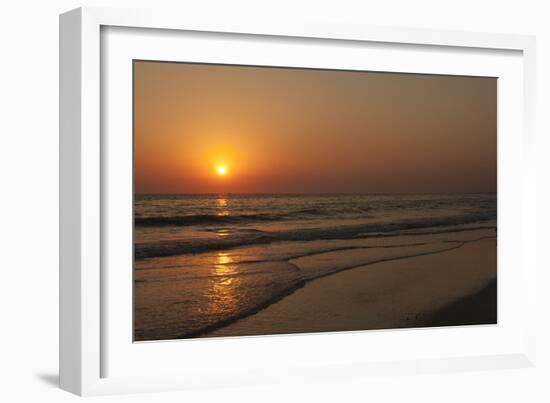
{"x":432,"y":225}
{"x":217,"y":219}
{"x":199,"y":219}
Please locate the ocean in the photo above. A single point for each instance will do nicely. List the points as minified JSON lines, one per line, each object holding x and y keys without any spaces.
{"x":205,"y":261}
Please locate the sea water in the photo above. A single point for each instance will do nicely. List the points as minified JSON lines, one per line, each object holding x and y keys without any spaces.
{"x":205,"y":261}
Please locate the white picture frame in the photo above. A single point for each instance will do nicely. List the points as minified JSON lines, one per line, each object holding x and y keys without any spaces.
{"x":88,"y":335}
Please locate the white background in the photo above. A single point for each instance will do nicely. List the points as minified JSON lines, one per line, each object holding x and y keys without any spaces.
{"x":29,"y":201}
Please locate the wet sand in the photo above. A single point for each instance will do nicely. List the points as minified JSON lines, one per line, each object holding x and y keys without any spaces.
{"x":454,"y":287}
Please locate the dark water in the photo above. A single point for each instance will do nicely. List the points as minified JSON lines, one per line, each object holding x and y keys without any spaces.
{"x":174,"y":224}
{"x":204,"y":261}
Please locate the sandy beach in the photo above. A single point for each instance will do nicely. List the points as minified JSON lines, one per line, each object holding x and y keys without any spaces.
{"x":452,"y":287}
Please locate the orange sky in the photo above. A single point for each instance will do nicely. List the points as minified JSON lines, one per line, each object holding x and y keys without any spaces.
{"x":279,"y":130}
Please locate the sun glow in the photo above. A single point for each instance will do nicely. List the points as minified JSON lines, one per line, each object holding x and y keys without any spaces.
{"x":221,"y":170}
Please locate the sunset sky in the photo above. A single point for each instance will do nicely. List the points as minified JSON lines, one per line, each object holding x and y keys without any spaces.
{"x":215,"y":129}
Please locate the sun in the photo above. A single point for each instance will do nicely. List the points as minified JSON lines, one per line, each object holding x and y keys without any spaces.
{"x":221,"y":170}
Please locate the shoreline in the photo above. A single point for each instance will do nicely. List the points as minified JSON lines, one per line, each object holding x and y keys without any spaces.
{"x":408,"y":292}
{"x":207,"y":331}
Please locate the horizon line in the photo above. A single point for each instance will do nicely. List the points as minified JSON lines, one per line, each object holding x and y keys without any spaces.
{"x":306,"y":193}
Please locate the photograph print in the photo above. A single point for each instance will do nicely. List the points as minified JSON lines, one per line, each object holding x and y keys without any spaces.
{"x":274,"y":200}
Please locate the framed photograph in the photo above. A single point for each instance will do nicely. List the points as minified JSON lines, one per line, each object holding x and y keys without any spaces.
{"x":252,"y":201}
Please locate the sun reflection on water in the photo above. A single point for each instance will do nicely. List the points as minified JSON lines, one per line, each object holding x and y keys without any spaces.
{"x":223,"y":267}
{"x":223,"y":296}
{"x":221,"y":204}
{"x":223,"y":258}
